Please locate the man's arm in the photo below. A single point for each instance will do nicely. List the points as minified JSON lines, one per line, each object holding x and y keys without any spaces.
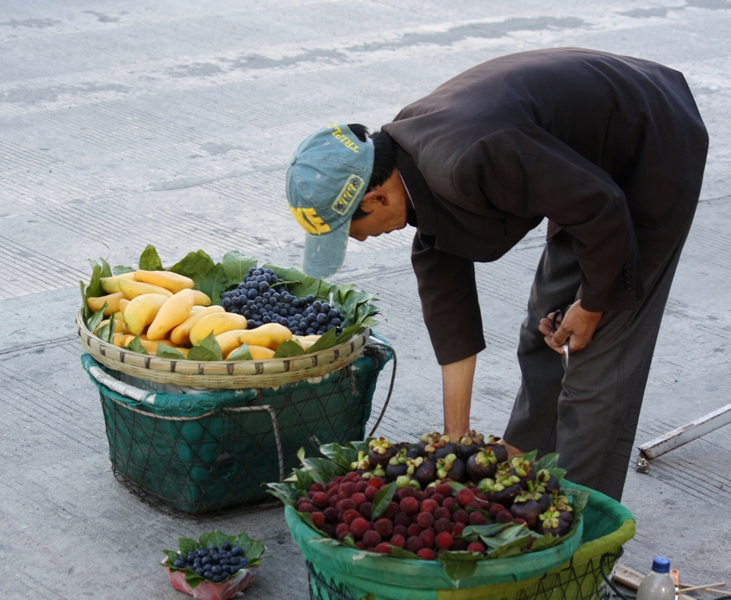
{"x":457,"y":378}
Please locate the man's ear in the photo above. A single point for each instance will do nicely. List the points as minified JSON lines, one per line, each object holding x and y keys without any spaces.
{"x":374,"y":199}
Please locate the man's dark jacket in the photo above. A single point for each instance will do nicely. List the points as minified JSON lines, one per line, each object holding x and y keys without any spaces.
{"x":609,"y":148}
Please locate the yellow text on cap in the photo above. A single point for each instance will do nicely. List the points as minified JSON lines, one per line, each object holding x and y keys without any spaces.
{"x":343,"y":139}
{"x":309,"y":220}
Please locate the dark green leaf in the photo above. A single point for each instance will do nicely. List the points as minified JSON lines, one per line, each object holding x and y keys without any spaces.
{"x":360,"y":446}
{"x":531,"y":456}
{"x":106,"y":332}
{"x":558,"y":473}
{"x":299,"y":283}
{"x":509,"y":542}
{"x":214,"y":284}
{"x":327,"y":340}
{"x":172,"y":557}
{"x":484,"y":530}
{"x":192,"y":579}
{"x":195,"y":265}
{"x":93,"y":322}
{"x":307,"y":518}
{"x":349,"y":541}
{"x":241,"y":353}
{"x":165,"y":351}
{"x":459,"y":565}
{"x":120,"y":269}
{"x":304,"y":479}
{"x":214,"y":538}
{"x":207,"y":349}
{"x":342,"y":455}
{"x":136,"y":346}
{"x":455,"y":485}
{"x":322,"y":469}
{"x":288,"y":349}
{"x":98,"y":270}
{"x":186,"y":545}
{"x":285,"y":492}
{"x":401,"y":553}
{"x":236,"y":266}
{"x":547,"y":461}
{"x":253,"y":549}
{"x":382,"y":499}
{"x":149,"y":259}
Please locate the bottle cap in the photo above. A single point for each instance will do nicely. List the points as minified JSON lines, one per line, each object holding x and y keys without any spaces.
{"x":661,"y":564}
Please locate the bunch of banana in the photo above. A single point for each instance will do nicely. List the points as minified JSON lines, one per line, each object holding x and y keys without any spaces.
{"x":161,"y":307}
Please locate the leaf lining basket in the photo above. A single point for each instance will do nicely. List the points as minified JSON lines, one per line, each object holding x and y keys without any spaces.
{"x":221,"y":374}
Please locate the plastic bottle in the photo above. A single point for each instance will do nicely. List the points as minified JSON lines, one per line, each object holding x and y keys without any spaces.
{"x":657,"y":584}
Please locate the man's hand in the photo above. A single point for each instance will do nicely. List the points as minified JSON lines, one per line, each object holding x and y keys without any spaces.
{"x":577,"y":326}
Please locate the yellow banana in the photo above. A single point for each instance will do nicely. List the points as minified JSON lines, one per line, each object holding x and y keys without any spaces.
{"x":112,"y":300}
{"x":180,"y":335}
{"x":216,"y":323}
{"x":171,"y":314}
{"x":141,"y":311}
{"x":173,"y":282}
{"x":111,"y":284}
{"x":201,"y":299}
{"x":132,"y":289}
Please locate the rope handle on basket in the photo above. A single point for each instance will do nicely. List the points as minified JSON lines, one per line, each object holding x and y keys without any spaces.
{"x":130,"y":391}
{"x":120,"y":387}
{"x":380,"y":342}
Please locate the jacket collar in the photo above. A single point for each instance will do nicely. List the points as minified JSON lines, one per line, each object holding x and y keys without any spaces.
{"x":424,"y":213}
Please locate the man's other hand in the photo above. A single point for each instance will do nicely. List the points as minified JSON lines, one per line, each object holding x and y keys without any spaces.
{"x":577,"y":327}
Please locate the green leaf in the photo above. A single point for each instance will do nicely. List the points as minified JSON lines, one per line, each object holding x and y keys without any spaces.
{"x":241,"y":353}
{"x":187,"y":545}
{"x":149,"y":259}
{"x":349,"y":542}
{"x":93,"y":322}
{"x":299,"y":283}
{"x":455,"y":485}
{"x":192,"y":579}
{"x":288,"y":349}
{"x":84,"y":305}
{"x":342,"y":455}
{"x":253,"y":549}
{"x":459,"y":565}
{"x":401,"y":553}
{"x":136,"y":346}
{"x":547,"y":461}
{"x":360,"y":446}
{"x":285,"y":492}
{"x":98,"y":270}
{"x":509,"y":542}
{"x":307,"y":518}
{"x":120,"y":269}
{"x":106,"y":333}
{"x":579,"y":498}
{"x":172,"y":557}
{"x":327,"y":340}
{"x":304,"y":479}
{"x":214,"y":283}
{"x":382,"y":499}
{"x":322,"y":470}
{"x":207,"y":349}
{"x":349,"y":332}
{"x":483,"y":530}
{"x":165,"y":351}
{"x":236,"y":266}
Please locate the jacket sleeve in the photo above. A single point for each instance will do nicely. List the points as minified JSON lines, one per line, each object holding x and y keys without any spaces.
{"x":527,"y":172}
{"x":449,"y":302}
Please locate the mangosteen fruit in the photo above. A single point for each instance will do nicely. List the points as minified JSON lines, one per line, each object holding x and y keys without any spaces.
{"x":548,"y":482}
{"x":523,"y":469}
{"x":551,"y":524}
{"x":362,"y":464}
{"x":426,"y":439}
{"x":423,"y":469}
{"x":380,"y":451}
{"x":525,"y":507}
{"x":452,"y":467}
{"x":468,"y":445}
{"x":481,"y":464}
{"x":544,"y":500}
{"x":500,"y":451}
{"x":441,"y":448}
{"x":506,"y":490}
{"x":396,"y":465}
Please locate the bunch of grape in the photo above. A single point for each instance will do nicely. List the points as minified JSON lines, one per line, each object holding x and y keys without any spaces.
{"x":214,"y":563}
{"x":261,"y":298}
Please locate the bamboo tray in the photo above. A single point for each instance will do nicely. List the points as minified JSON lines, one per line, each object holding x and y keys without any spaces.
{"x":271,"y":372}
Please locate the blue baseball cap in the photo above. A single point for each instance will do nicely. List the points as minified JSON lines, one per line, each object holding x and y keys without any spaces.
{"x":326,"y":181}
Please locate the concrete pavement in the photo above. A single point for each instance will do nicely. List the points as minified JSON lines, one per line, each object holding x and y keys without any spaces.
{"x":172,"y":123}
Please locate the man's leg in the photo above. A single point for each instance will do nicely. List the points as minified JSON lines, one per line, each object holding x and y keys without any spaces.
{"x":600,"y":404}
{"x":533,"y":421}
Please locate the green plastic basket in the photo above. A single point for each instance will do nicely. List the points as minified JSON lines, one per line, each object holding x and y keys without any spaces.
{"x":208,"y":451}
{"x":572,"y":570}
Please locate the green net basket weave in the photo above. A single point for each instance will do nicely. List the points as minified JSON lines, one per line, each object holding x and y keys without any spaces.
{"x":207,"y":451}
{"x":576,"y":575}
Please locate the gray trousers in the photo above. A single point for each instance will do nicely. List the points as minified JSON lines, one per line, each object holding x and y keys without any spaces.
{"x":587,"y":412}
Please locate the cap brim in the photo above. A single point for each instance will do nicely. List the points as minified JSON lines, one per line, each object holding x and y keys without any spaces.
{"x":324,"y":254}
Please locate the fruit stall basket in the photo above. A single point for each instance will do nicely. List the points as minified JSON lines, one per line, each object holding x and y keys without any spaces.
{"x":575,"y":569}
{"x":236,"y":426}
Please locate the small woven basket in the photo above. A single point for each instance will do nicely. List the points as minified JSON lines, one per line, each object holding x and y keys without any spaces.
{"x":244,"y":374}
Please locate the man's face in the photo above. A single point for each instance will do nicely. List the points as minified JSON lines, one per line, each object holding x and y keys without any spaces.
{"x":387,"y":212}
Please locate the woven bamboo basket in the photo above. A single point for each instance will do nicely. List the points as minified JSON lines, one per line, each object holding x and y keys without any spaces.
{"x":271,"y":372}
